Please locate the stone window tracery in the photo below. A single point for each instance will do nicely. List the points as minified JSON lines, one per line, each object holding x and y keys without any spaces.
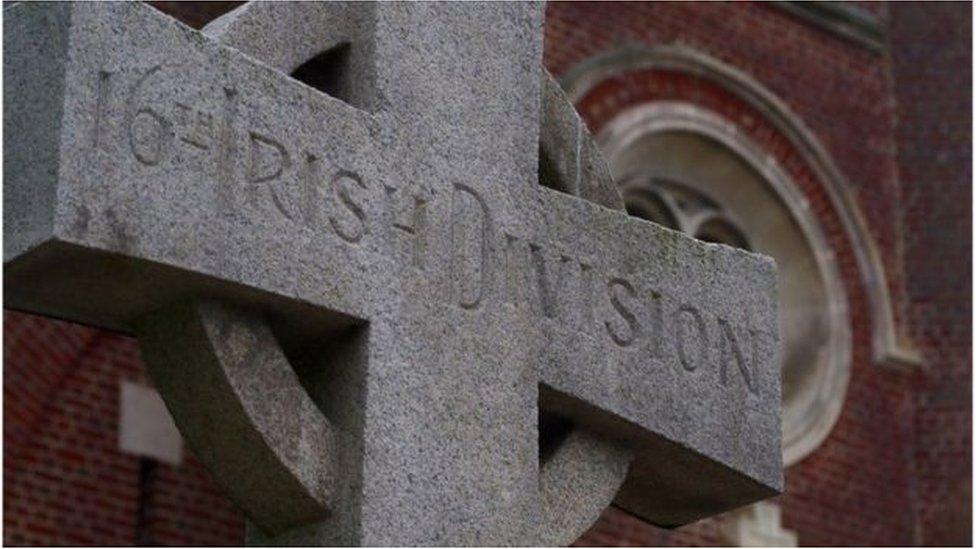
{"x":682,"y":208}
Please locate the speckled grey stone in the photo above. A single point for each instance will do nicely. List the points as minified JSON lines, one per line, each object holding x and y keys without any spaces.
{"x":356,"y":306}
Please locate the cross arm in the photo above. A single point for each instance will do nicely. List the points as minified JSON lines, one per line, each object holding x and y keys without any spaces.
{"x":669,"y":344}
{"x":147,"y":162}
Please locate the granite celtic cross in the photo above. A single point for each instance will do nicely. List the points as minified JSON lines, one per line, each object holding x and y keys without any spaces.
{"x":407,"y":311}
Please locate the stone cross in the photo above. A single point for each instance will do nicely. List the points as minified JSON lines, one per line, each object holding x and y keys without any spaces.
{"x":407,"y":311}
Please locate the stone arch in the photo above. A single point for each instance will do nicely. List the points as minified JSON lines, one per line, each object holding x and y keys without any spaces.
{"x":889,"y":345}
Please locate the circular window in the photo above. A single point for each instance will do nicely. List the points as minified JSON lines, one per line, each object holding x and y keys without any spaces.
{"x":689,"y":170}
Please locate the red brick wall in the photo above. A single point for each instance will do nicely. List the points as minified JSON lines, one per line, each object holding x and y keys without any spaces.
{"x":932,"y":70}
{"x":65,"y":481}
{"x":890,"y":471}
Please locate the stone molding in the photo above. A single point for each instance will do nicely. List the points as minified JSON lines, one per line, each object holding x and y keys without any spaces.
{"x":840,"y":19}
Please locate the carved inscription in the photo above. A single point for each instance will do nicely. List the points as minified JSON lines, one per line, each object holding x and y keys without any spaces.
{"x":253,"y":168}
{"x":470,"y":225}
{"x":691,"y":337}
{"x":624,"y":329}
{"x":101,"y":102}
{"x":259,"y":173}
{"x":408,"y":217}
{"x":267,"y":159}
{"x":655,"y":321}
{"x":150,"y":134}
{"x":560,"y":288}
{"x":732,"y":352}
{"x":226,"y":152}
{"x":550,"y":277}
{"x":199,"y":123}
{"x":349,"y":219}
{"x":551,"y":284}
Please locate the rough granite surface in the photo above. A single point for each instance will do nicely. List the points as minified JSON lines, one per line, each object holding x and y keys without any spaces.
{"x":357,"y":305}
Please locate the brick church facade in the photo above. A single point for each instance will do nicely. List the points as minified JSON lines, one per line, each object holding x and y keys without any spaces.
{"x":853,"y":121}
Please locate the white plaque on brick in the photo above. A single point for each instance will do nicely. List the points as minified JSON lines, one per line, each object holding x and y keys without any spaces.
{"x":145,"y":425}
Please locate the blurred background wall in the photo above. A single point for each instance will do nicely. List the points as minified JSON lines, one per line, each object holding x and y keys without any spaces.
{"x":835,"y":137}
